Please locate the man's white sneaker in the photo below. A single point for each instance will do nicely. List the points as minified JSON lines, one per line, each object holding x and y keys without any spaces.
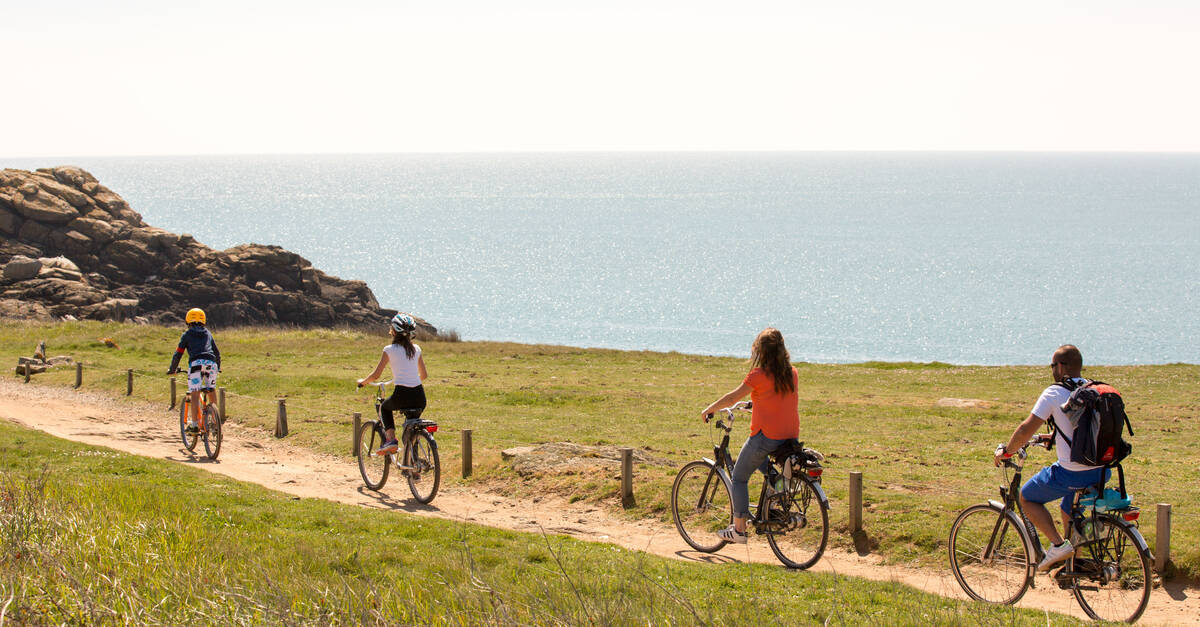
{"x":729,"y":534}
{"x":1056,"y":554}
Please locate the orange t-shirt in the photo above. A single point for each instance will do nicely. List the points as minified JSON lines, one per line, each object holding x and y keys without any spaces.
{"x":776,"y":415}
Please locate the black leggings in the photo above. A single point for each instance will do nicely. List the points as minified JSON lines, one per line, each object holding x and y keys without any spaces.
{"x":403,"y":398}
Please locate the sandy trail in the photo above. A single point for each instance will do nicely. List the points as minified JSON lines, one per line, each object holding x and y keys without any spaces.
{"x":253,"y":455}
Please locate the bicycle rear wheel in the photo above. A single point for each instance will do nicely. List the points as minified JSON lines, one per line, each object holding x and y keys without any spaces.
{"x":189,"y":439}
{"x":989,"y":555}
{"x":1111,"y":574}
{"x":426,"y":472}
{"x":372,"y":467}
{"x":212,"y":432}
{"x":797,"y":525}
{"x":701,"y":506}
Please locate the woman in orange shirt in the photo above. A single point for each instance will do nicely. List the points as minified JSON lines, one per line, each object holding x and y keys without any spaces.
{"x":775,"y":419}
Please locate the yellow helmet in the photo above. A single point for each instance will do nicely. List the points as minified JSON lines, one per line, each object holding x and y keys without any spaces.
{"x":194,"y":315}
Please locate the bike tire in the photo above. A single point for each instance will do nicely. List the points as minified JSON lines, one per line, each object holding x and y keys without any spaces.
{"x":423,"y":455}
{"x":701,"y":506}
{"x":1007,"y":574}
{"x":189,"y":439}
{"x":212,"y":432}
{"x":800,"y":543}
{"x":1117,"y":583}
{"x":373,"y":468}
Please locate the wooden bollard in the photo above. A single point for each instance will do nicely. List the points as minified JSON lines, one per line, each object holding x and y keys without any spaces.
{"x":856,"y":519}
{"x":221,"y":403}
{"x":281,"y":429}
{"x":172,"y":392}
{"x":26,"y":367}
{"x":1162,"y":540}
{"x":354,"y":443}
{"x":129,"y":382}
{"x":78,"y":375}
{"x":627,"y":477}
{"x":466,"y":453}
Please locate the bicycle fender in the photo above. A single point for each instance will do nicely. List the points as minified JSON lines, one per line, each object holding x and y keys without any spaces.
{"x":720,"y":471}
{"x":820,"y":494}
{"x":1031,"y":569}
{"x":1139,"y":540}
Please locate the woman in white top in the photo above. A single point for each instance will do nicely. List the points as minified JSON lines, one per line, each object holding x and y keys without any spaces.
{"x":408,"y":371}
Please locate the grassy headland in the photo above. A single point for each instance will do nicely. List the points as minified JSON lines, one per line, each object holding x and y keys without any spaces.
{"x":91,"y":536}
{"x":922,"y":460}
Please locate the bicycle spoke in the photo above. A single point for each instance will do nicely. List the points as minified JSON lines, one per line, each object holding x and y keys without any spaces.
{"x":1111,"y":575}
{"x":988,"y":555}
{"x":797,"y":525}
{"x":701,"y":506}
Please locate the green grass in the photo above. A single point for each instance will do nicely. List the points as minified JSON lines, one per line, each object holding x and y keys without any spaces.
{"x":92,"y":536}
{"x":921,"y":462}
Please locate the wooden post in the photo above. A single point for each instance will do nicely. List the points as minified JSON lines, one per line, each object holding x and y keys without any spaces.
{"x":354,"y":443}
{"x":856,"y":519}
{"x":1162,"y":541}
{"x":26,"y":367}
{"x":78,"y":375}
{"x":129,"y":382}
{"x":466,"y":453}
{"x":172,"y":392}
{"x":627,"y":477}
{"x":281,"y":429}
{"x":221,"y":403}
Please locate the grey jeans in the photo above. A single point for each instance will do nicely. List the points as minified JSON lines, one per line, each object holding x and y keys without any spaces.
{"x":753,"y":456}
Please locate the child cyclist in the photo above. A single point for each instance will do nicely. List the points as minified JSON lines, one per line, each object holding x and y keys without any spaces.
{"x":408,"y":371}
{"x":204,"y":362}
{"x":775,"y":418}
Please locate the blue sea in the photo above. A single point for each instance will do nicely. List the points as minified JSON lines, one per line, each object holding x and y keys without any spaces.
{"x":977,"y":258}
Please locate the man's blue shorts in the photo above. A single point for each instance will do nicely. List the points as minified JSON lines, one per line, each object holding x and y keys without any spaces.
{"x":1054,"y":482}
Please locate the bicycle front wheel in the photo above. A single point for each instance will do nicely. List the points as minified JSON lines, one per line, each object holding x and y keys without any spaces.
{"x":1111,"y":574}
{"x":189,"y":439}
{"x":797,"y":525}
{"x":212,"y":432}
{"x":701,"y":506}
{"x":372,"y":467}
{"x":425,"y":473}
{"x":989,"y":555}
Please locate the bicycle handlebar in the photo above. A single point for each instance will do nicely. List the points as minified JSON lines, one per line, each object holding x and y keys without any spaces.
{"x":742,"y":406}
{"x":381,"y":384}
{"x":1037,"y":440}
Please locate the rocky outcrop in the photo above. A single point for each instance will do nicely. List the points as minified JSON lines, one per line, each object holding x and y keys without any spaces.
{"x":71,"y":247}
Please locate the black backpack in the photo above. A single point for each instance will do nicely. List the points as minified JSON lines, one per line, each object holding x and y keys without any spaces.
{"x":1097,"y":414}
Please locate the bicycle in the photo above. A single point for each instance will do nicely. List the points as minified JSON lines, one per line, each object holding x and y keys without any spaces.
{"x":210,"y":426}
{"x":792,"y":509}
{"x":418,"y":461}
{"x":994,"y":552}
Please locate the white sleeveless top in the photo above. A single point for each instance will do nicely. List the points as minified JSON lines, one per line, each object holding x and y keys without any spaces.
{"x":404,"y":370}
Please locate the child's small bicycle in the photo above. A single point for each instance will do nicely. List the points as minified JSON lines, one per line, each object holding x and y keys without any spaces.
{"x":210,"y":426}
{"x":418,"y":461}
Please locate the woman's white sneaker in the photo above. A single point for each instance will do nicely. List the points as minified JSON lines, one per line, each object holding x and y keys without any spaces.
{"x":730,"y":534}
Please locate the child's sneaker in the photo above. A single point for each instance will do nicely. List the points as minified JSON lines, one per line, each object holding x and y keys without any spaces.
{"x":388,"y":448}
{"x":192,"y":427}
{"x":730,"y":534}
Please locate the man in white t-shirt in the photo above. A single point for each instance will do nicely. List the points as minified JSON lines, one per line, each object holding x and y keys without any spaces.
{"x":1063,"y":478}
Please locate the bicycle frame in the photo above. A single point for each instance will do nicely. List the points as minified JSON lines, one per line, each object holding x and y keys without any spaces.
{"x":408,"y":430}
{"x":1076,"y":532}
{"x":724,"y":467}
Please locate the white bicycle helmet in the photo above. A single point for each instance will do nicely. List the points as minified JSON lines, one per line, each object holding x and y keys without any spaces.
{"x":403,"y":324}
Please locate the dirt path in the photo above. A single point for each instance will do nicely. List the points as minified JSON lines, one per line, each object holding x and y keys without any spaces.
{"x":252,"y":455}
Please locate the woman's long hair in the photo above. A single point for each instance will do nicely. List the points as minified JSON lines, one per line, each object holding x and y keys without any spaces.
{"x":770,"y":354}
{"x":405,"y":340}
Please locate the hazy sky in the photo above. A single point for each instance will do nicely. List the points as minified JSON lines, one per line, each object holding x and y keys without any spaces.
{"x":90,"y":77}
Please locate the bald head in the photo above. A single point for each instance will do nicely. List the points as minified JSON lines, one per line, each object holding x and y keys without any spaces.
{"x":1070,"y":358}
